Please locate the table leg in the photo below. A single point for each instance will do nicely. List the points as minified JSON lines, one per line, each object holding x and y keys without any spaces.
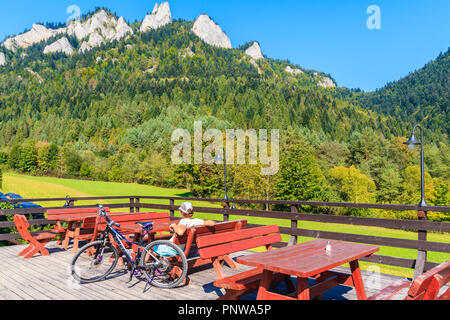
{"x":319,"y":279}
{"x":302,"y":289}
{"x":357,"y":280}
{"x":265,"y":284}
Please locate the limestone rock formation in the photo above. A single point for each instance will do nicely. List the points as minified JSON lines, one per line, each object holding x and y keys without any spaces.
{"x":39,"y":78}
{"x":99,"y":28}
{"x":210,"y":32}
{"x":37,"y":34}
{"x":2,"y":59}
{"x":159,"y":17}
{"x":293,"y":71}
{"x":255,"y":51}
{"x":323,"y":81}
{"x":61,"y":45}
{"x":253,"y":62}
{"x":122,"y":29}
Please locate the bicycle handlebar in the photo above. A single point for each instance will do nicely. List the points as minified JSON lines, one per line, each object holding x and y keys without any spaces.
{"x":103,"y":214}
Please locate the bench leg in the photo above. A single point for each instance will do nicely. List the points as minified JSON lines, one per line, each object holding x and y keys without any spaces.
{"x":26,"y":250}
{"x":218,"y":268}
{"x":230,"y":262}
{"x":37,"y":248}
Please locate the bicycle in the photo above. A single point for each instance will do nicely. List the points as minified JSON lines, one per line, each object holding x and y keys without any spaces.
{"x":162,"y":262}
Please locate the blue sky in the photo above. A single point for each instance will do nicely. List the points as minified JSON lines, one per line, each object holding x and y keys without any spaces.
{"x":328,"y":36}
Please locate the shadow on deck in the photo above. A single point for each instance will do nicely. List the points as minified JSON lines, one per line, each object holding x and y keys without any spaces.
{"x":48,"y":278}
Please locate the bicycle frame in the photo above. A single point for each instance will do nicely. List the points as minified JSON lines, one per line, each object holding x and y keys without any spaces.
{"x":118,"y":237}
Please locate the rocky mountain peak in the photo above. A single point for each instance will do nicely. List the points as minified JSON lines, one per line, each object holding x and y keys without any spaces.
{"x":37,"y":34}
{"x":159,"y":17}
{"x":207,"y":30}
{"x":323,"y":81}
{"x":99,"y":28}
{"x":254,"y":51}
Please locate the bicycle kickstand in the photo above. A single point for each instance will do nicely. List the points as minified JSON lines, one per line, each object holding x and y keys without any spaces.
{"x":131,"y":273}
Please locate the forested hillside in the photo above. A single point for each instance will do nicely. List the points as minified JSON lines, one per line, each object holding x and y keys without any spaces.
{"x":422,"y":97}
{"x":108,"y":114}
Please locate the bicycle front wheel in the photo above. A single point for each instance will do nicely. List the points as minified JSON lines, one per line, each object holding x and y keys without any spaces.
{"x":94,"y":262}
{"x":164,"y":264}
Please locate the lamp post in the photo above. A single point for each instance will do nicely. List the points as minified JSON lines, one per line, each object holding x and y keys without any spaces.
{"x":218,"y":158}
{"x":411,"y":143}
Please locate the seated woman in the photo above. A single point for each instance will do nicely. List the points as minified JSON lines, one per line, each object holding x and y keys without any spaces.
{"x":187,"y":212}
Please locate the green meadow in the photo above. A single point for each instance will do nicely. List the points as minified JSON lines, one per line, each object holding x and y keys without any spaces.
{"x":47,"y":187}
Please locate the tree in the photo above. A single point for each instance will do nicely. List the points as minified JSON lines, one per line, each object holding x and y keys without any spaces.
{"x":411,"y":187}
{"x":389,"y":183}
{"x":300,"y":177}
{"x":248,"y":183}
{"x":29,"y":157}
{"x":14,"y":157}
{"x":441,"y":198}
{"x":354,"y":187}
{"x":72,"y":161}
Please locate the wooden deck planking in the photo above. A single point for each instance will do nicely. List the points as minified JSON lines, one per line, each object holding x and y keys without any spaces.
{"x":43,"y":278}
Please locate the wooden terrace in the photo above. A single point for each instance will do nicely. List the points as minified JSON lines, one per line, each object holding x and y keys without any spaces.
{"x":48,"y":277}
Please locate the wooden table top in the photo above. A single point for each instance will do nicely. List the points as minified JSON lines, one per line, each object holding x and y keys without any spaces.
{"x":309,"y":258}
{"x":80,"y":216}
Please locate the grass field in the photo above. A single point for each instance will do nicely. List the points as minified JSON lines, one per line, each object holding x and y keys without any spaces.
{"x":45,"y":187}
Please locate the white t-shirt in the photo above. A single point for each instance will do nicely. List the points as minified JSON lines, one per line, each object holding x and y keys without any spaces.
{"x":189,"y":223}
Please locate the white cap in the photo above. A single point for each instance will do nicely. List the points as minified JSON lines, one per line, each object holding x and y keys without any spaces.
{"x":185,"y":207}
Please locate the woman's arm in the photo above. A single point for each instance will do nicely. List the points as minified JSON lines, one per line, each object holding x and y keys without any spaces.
{"x":209,"y":223}
{"x":179,"y":229}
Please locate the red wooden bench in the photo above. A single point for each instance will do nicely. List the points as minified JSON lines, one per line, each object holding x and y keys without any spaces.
{"x":76,"y":229}
{"x":215,"y":246}
{"x":424,"y":287}
{"x":35,"y":243}
{"x":192,"y":234}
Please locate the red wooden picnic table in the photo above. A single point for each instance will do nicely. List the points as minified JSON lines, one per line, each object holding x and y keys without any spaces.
{"x":74,"y":222}
{"x":310,"y":259}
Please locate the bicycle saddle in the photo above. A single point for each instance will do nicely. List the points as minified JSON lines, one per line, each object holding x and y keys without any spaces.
{"x":145,"y":225}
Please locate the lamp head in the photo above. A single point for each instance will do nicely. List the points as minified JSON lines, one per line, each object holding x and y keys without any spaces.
{"x":412,"y":142}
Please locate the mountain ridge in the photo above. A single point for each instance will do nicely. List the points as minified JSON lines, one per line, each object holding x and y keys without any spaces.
{"x":267,"y":69}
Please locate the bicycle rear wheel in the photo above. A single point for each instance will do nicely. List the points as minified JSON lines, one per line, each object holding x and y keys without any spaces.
{"x":164,"y":264}
{"x":94,"y":262}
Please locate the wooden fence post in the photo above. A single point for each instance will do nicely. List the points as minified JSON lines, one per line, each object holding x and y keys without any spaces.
{"x":172,"y":212}
{"x":226,"y":216}
{"x":294,"y":224}
{"x":419,"y":266}
{"x":137,"y":201}
{"x":131,"y":205}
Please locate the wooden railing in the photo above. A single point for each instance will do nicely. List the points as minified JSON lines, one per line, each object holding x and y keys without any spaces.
{"x":421,"y":226}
